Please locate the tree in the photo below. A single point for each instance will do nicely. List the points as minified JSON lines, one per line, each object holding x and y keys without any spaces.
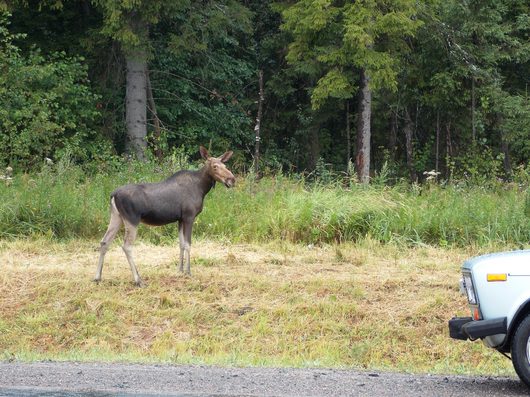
{"x":205,"y":38}
{"x":455,"y":82}
{"x":455,"y":88}
{"x":128,"y":24}
{"x":204,"y":75}
{"x":350,"y":47}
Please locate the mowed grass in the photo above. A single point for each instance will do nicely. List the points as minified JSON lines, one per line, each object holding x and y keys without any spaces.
{"x":363,"y":305}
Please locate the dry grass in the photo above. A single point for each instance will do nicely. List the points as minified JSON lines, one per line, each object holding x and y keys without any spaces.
{"x":276,"y":304}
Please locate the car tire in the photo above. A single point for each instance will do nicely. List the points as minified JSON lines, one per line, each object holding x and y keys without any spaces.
{"x":521,"y":350}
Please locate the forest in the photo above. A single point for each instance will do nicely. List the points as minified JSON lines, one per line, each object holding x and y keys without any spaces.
{"x":411,"y":90}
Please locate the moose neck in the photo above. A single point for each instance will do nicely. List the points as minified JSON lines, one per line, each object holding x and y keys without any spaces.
{"x":206,"y":181}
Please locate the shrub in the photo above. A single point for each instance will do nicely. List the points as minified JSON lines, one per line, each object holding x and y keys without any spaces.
{"x":46,"y":106}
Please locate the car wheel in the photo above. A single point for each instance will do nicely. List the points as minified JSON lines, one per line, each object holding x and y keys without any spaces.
{"x":521,"y":350}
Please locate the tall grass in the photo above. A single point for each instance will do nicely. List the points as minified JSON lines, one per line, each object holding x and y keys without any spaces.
{"x":63,"y":202}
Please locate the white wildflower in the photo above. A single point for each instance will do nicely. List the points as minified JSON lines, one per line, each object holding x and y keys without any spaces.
{"x":431,"y":175}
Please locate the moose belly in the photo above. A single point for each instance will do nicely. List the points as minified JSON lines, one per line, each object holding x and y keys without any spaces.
{"x":159,"y":219}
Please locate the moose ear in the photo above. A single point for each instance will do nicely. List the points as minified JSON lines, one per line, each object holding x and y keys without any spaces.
{"x":225,"y":157}
{"x":204,"y":152}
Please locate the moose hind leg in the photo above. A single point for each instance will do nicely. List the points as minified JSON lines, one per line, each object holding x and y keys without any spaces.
{"x":130,"y":236}
{"x":112,"y":230}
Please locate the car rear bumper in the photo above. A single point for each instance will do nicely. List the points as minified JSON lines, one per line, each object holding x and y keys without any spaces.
{"x":464,"y":328}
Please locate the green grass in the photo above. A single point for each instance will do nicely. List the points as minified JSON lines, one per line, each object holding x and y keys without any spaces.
{"x":62,"y":202}
{"x":286,"y":273}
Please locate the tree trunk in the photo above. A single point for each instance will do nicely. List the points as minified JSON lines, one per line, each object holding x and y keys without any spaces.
{"x":409,"y":130}
{"x":507,"y":160}
{"x":473,"y":106}
{"x":392,"y":140}
{"x":348,"y":137}
{"x":152,"y":108}
{"x":257,"y":128}
{"x":362,"y":157}
{"x":135,"y":104}
{"x":448,"y":140}
{"x":507,"y":163}
{"x":437,"y":153}
{"x":449,"y":149}
{"x":314,"y":147}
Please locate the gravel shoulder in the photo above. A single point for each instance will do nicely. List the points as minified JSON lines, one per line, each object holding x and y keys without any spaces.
{"x":102,"y":379}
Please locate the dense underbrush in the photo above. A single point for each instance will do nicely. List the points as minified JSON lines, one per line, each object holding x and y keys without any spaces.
{"x":63,"y":201}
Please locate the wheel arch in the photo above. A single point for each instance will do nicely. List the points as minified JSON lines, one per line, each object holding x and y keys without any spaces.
{"x":522,"y":312}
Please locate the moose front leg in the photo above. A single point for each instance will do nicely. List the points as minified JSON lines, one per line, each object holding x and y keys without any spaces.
{"x":185,"y":228}
{"x":181,"y":245}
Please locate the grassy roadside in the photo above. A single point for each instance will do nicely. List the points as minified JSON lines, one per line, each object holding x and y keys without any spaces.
{"x":274,"y":304}
{"x":63,"y":202}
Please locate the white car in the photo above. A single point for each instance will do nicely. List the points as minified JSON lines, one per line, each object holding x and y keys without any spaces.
{"x":498,"y":291}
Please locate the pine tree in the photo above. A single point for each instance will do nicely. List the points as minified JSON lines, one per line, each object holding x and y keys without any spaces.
{"x":350,"y":47}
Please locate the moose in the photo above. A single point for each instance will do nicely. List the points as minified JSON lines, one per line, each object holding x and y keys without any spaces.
{"x":179,"y":198}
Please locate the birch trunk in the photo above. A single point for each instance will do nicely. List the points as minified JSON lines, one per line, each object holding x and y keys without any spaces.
{"x":473,"y":109}
{"x":257,"y":128}
{"x":448,"y":150}
{"x":348,"y":137}
{"x":437,"y":150}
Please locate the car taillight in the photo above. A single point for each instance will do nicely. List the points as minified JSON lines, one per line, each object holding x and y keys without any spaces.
{"x":470,"y":291}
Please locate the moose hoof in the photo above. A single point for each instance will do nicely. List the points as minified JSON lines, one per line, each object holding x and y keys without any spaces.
{"x":139,"y":284}
{"x":96,"y":280}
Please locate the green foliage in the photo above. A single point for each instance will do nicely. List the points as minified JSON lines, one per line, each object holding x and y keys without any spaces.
{"x":46,"y":108}
{"x":478,"y":167}
{"x":510,"y":114}
{"x":336,"y":38}
{"x":128,"y":21}
{"x":334,"y":84}
{"x":427,"y":59}
{"x":201,"y":76}
{"x":62,"y":201}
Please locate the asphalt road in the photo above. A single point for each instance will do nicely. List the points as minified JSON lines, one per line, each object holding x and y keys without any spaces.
{"x":52,"y":379}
